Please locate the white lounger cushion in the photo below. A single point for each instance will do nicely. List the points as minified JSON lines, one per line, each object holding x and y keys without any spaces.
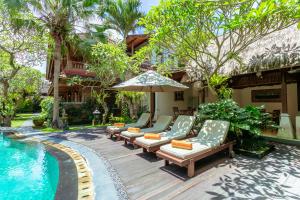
{"x":131,"y":135}
{"x":161,"y":124}
{"x":142,"y":122}
{"x":184,"y":153}
{"x":163,"y":140}
{"x":212,"y":134}
{"x":180,"y":130}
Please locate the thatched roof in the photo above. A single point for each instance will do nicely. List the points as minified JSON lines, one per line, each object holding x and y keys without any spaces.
{"x":276,"y":50}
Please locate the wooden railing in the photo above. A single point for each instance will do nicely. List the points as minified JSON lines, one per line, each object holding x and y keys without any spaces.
{"x":76,"y":65}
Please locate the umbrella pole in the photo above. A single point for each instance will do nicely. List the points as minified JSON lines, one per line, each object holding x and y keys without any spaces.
{"x":151,"y":107}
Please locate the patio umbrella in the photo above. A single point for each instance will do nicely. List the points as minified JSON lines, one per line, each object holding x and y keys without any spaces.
{"x":152,"y":82}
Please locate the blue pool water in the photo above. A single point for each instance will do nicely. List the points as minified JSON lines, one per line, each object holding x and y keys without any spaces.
{"x":27,"y":171}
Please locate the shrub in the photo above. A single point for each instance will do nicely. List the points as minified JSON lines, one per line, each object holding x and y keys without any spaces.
{"x":79,"y":114}
{"x":122,"y":119}
{"x":245,"y":122}
{"x":47,"y":109}
{"x":29,"y":105}
{"x":25,"y":106}
{"x":39,"y":120}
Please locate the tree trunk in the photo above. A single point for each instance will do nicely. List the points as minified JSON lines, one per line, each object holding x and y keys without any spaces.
{"x":131,"y":109}
{"x":6,"y":118}
{"x":106,"y":110}
{"x":57,"y":64}
{"x":213,"y":92}
{"x":135,"y":110}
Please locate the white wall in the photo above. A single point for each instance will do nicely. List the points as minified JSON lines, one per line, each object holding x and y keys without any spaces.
{"x":243,"y":98}
{"x":165,"y":101}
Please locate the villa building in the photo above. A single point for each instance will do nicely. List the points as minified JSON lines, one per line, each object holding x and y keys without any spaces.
{"x":71,"y":65}
{"x":276,"y":84}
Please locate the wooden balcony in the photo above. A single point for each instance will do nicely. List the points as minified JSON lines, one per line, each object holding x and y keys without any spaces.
{"x":75,"y":65}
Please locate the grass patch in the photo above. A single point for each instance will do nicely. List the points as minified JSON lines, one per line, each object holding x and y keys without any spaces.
{"x":20,"y":119}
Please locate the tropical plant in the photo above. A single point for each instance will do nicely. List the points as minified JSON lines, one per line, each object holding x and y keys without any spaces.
{"x":47,"y":109}
{"x":21,"y":47}
{"x":122,"y":119}
{"x":101,"y":99}
{"x":208,"y":36}
{"x":58,"y":18}
{"x":109,"y":62}
{"x":39,"y":120}
{"x":130,"y":99}
{"x":220,"y":85}
{"x":244,"y":122}
{"x":121,"y":15}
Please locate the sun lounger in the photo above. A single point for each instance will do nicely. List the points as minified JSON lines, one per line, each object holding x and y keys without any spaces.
{"x":210,"y":140}
{"x":142,"y":122}
{"x":180,"y":130}
{"x":161,"y":125}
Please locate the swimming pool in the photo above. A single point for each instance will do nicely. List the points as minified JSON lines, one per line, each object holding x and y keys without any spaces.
{"x":27,"y":170}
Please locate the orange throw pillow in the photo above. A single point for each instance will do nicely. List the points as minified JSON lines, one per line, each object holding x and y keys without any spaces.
{"x":152,"y":136}
{"x":119,"y":125}
{"x":134,"y":130}
{"x":182,"y":144}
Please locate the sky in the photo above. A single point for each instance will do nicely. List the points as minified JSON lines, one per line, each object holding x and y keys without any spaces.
{"x":146,"y":6}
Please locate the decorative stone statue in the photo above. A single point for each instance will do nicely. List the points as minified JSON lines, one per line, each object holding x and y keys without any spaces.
{"x":286,"y":128}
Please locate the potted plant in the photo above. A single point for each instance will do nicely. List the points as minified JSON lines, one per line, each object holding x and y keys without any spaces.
{"x":39,"y":120}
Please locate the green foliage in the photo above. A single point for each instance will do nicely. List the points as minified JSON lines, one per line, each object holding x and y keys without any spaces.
{"x":121,"y":15}
{"x":132,"y":101}
{"x":25,"y":106}
{"x":39,"y":120}
{"x":208,"y":35}
{"x":220,"y":86}
{"x":47,"y":108}
{"x":123,"y":96}
{"x":248,"y":121}
{"x":253,"y":144}
{"x":109,"y":61}
{"x":21,"y":47}
{"x":122,"y":119}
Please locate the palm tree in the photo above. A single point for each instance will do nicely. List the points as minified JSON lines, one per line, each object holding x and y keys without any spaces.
{"x":59,"y":18}
{"x":122,"y":15}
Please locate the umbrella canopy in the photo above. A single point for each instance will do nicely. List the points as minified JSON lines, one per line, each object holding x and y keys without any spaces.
{"x":151,"y":81}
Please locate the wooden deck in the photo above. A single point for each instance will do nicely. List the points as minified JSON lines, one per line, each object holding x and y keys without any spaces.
{"x":217,"y":177}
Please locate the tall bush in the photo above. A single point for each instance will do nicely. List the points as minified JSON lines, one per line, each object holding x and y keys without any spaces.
{"x":244,"y":122}
{"x":47,"y":109}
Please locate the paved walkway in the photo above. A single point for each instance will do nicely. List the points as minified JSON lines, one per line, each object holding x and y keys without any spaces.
{"x":277,"y":176}
{"x":29,"y":123}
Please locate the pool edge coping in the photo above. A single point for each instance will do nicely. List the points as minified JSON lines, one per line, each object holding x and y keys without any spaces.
{"x":120,"y":189}
{"x":84,"y":175}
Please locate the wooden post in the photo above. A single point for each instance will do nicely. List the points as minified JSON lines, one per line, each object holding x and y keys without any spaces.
{"x":203,"y":95}
{"x":166,"y":163}
{"x":284,"y":92}
{"x":298,"y":94}
{"x":152,"y":106}
{"x":191,"y":168}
